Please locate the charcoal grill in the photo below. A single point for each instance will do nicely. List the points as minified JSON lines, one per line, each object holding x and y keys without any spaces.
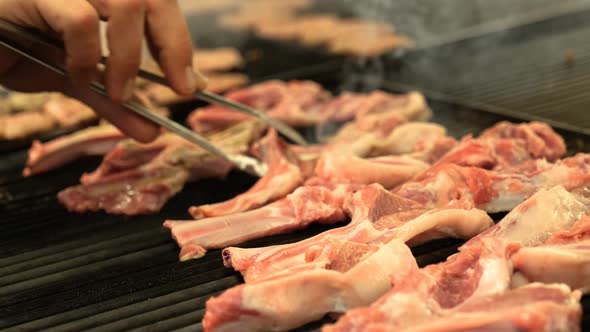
{"x":69,"y":272}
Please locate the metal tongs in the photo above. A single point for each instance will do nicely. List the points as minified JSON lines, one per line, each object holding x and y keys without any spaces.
{"x":244,"y":163}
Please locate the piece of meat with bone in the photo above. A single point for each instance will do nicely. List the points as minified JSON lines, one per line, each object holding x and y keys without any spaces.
{"x":481,"y":268}
{"x":214,"y":232}
{"x":377,"y":216}
{"x":139,"y":178}
{"x":288,"y":302}
{"x":286,"y":101}
{"x":389,"y":134}
{"x":349,"y":106}
{"x":541,"y":140}
{"x":304,"y":103}
{"x":535,"y":308}
{"x":368,"y":203}
{"x":305,"y":205}
{"x":283,"y":176}
{"x":335,"y":269}
{"x":383,"y":134}
{"x":388,"y":171}
{"x":506,"y":145}
{"x":564,"y":258}
{"x":93,"y":141}
{"x":491,"y":190}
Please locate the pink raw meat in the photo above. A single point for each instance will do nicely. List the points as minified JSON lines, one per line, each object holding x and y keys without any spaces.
{"x":284,"y":175}
{"x":564,"y":257}
{"x":94,"y":141}
{"x":377,"y":216}
{"x":305,"y":205}
{"x":139,"y":178}
{"x":481,"y":268}
{"x":288,"y":302}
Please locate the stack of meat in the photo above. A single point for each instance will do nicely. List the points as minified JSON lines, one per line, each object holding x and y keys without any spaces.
{"x":365,"y":272}
{"x":401,"y":184}
{"x":389,"y":182}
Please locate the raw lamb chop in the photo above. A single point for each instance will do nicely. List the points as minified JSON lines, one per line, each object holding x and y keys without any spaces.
{"x":139,"y":178}
{"x":336,"y":274}
{"x":388,"y":134}
{"x":506,"y":145}
{"x":541,"y":140}
{"x":368,"y":203}
{"x":564,"y":257}
{"x":495,"y":191}
{"x":288,"y":302}
{"x":450,"y":185}
{"x":534,"y":307}
{"x":305,"y":205}
{"x":281,"y":216}
{"x":284,"y":175}
{"x":93,"y":141}
{"x":388,"y":171}
{"x":481,"y":268}
{"x":376,"y":216}
{"x":304,"y":103}
{"x":289,"y":102}
{"x":348,"y":106}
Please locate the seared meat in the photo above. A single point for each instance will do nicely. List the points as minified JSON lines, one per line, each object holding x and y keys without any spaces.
{"x":24,"y":115}
{"x":139,"y":178}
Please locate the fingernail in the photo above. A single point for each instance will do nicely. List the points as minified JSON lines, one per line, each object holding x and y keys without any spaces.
{"x":129,"y":88}
{"x":194,"y":80}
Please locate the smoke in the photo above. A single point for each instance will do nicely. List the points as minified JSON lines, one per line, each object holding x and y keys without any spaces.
{"x":431,"y":23}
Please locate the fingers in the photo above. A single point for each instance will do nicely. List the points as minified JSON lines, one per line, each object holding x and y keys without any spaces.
{"x":128,"y":122}
{"x":45,"y":80}
{"x":78,"y":24}
{"x":171,"y":46}
{"x":125,"y":31}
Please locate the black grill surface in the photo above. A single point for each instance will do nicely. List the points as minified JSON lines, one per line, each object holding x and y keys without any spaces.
{"x":538,"y":70}
{"x":68,"y":272}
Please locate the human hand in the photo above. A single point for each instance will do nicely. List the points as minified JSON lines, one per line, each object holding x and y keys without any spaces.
{"x":76,"y":22}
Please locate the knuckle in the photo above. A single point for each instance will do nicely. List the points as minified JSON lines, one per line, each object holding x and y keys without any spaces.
{"x":185,"y":50}
{"x":81,"y":63}
{"x":84,"y":20}
{"x":131,"y":5}
{"x":125,"y":65}
{"x":161,"y":3}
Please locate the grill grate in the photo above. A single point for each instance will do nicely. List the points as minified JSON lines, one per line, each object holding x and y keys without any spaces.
{"x":540,"y":70}
{"x":98,"y":272}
